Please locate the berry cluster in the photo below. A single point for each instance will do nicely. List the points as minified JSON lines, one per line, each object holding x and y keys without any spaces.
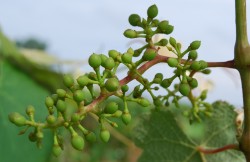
{"x":104,"y":78}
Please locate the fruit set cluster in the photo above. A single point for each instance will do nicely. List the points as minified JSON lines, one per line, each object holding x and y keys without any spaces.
{"x":104,"y":77}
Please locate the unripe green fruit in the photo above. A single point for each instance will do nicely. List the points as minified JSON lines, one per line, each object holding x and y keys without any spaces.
{"x":129,"y":33}
{"x":163,"y":42}
{"x":77,"y":142}
{"x":203,"y":95}
{"x":155,"y":23}
{"x":126,"y":118}
{"x":149,"y":54}
{"x":157,"y":102}
{"x":159,"y":75}
{"x":113,"y":54}
{"x":144,"y":102}
{"x":49,"y":102}
{"x":112,"y":84}
{"x":32,"y":137}
{"x":124,"y":88}
{"x":109,"y":63}
{"x":169,"y":29}
{"x":172,"y":41}
{"x":51,"y":119}
{"x":193,"y":83}
{"x":195,"y":66}
{"x":39,"y":135}
{"x":83,"y":80}
{"x":68,"y":81}
{"x":17,"y":119}
{"x":172,"y":62}
{"x":78,"y":95}
{"x":95,"y":60}
{"x":152,"y":11}
{"x":193,"y":55}
{"x":90,"y":137}
{"x":130,"y":51}
{"x":127,"y":58}
{"x":92,"y":76}
{"x":111,"y":108}
{"x":103,"y":58}
{"x":61,"y":105}
{"x":162,"y":26}
{"x":117,"y":114}
{"x":166,"y":83}
{"x":134,"y":20}
{"x":104,"y":135}
{"x":195,"y":45}
{"x":75,"y":117}
{"x":203,"y":64}
{"x":30,"y":110}
{"x":206,"y":71}
{"x":54,"y":98}
{"x":56,"y":150}
{"x":61,"y":93}
{"x":184,"y":89}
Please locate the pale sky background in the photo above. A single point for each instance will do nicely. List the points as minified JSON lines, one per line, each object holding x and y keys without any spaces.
{"x":75,"y":29}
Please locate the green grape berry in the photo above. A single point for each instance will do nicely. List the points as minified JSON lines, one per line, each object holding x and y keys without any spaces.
{"x":54,"y":97}
{"x":193,"y":83}
{"x":172,"y":41}
{"x":112,"y":84}
{"x":77,"y":142}
{"x":103,"y":58}
{"x":192,"y":55}
{"x":152,"y":11}
{"x":144,"y":102}
{"x":109,"y":63}
{"x":166,"y":83}
{"x":17,"y":119}
{"x":49,"y":102}
{"x":162,"y":26}
{"x":129,"y":33}
{"x":117,"y":114}
{"x":155,"y":23}
{"x":61,"y":106}
{"x":163,"y":42}
{"x":149,"y":54}
{"x":195,"y":45}
{"x":104,"y":135}
{"x":83,"y":80}
{"x":30,"y":110}
{"x":124,"y":88}
{"x":113,"y":54}
{"x":61,"y":93}
{"x":206,"y":71}
{"x":111,"y":108}
{"x":134,"y":19}
{"x":184,"y":89}
{"x":195,"y":66}
{"x":78,"y":95}
{"x":127,"y":58}
{"x":203,"y":95}
{"x":75,"y":117}
{"x":126,"y":118}
{"x":130,"y":51}
{"x":172,"y":62}
{"x":95,"y":60}
{"x":90,"y":137}
{"x":56,"y":150}
{"x":68,"y":80}
{"x":169,"y":29}
{"x":203,"y":64}
{"x":51,"y":119}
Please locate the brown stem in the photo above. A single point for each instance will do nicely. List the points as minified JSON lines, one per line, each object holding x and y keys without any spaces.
{"x":213,"y":151}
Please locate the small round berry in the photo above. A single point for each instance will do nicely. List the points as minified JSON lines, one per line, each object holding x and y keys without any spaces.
{"x":184,"y":89}
{"x":95,"y":60}
{"x":49,"y":102}
{"x":130,"y":51}
{"x":75,"y":117}
{"x":109,"y":63}
{"x":195,"y":66}
{"x":152,"y":11}
{"x":113,"y":54}
{"x":206,"y":71}
{"x":129,"y":33}
{"x":172,"y":41}
{"x":17,"y":119}
{"x":61,"y":93}
{"x":155,"y":23}
{"x":203,"y":64}
{"x":103,"y":58}
{"x":111,"y":108}
{"x":104,"y":135}
{"x":56,"y":150}
{"x":68,"y":80}
{"x":134,"y":19}
{"x":83,"y":80}
{"x":92,"y":76}
{"x":112,"y":84}
{"x":166,"y":83}
{"x":54,"y":98}
{"x":61,"y":105}
{"x":127,"y":58}
{"x":117,"y":114}
{"x":193,"y":83}
{"x":163,"y":42}
{"x":195,"y":45}
{"x":78,"y":95}
{"x":203,"y":95}
{"x":169,"y":29}
{"x":30,"y":110}
{"x":126,"y":118}
{"x":124,"y":88}
{"x":77,"y":142}
{"x":144,"y":102}
{"x":90,"y":137}
{"x":149,"y":54}
{"x":193,"y":55}
{"x":162,"y":26}
{"x":51,"y":119}
{"x":172,"y":62}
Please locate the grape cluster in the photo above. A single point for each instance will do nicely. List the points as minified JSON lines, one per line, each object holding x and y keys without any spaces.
{"x":104,"y":78}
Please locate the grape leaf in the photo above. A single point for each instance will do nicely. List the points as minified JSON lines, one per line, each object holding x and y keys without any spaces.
{"x":17,"y":91}
{"x":163,"y":140}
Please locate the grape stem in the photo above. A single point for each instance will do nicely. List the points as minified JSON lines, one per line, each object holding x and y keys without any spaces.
{"x":217,"y":150}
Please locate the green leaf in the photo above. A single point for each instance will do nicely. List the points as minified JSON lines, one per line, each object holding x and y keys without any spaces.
{"x":163,"y":139}
{"x":17,"y":91}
